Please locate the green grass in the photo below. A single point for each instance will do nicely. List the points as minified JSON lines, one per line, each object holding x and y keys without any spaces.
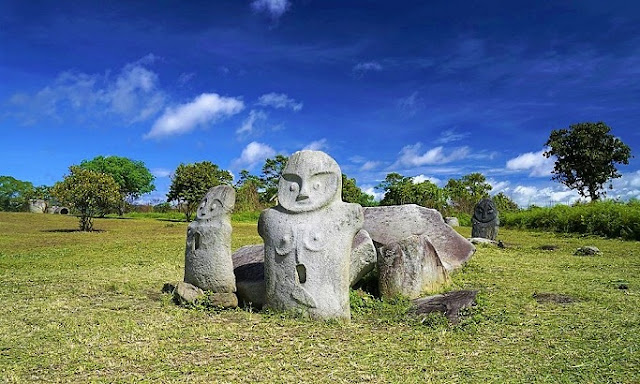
{"x":88,"y":307}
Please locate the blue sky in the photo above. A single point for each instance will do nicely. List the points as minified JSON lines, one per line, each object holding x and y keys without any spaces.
{"x":435,"y":90}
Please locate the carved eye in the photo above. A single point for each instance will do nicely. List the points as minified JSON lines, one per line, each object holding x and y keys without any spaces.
{"x":293,"y":187}
{"x":317,"y":185}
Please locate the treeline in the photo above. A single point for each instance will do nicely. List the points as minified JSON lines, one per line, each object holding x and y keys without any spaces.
{"x":609,"y":218}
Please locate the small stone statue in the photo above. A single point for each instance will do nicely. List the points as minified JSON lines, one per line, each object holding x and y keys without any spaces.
{"x":208,"y":262}
{"x":485,"y":220}
{"x":308,"y":238}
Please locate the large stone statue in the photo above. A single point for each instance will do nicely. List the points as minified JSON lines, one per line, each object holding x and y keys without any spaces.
{"x":208,"y":263}
{"x":308,"y":238}
{"x":485,"y":220}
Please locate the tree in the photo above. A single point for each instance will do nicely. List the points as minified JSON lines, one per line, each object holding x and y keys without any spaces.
{"x":504,"y":203}
{"x":271,"y":171}
{"x":191,"y":182}
{"x":586,"y":155}
{"x":14,"y":193}
{"x":133,"y":178}
{"x":351,"y":193}
{"x":404,"y":190}
{"x":247,"y":192}
{"x":467,"y":191}
{"x":87,"y":192}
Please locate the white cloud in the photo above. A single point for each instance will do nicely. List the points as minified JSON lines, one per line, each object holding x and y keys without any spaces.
{"x":421,"y":178}
{"x":371,"y":190}
{"x":253,"y":154}
{"x":411,"y":155}
{"x":535,"y":162}
{"x":367,"y":67}
{"x":498,"y":186}
{"x":369,"y":165}
{"x":526,"y":196}
{"x":317,"y":145}
{"x":133,"y":95}
{"x":450,"y":135}
{"x":279,"y":101}
{"x":204,"y":109}
{"x":248,"y":124}
{"x":275,"y":8}
{"x":161,"y":172}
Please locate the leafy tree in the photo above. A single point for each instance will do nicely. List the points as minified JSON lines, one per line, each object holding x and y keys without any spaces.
{"x":190,"y":183}
{"x":586,"y":155}
{"x":247,"y":192}
{"x":271,"y":171}
{"x":14,"y":193}
{"x":467,"y":191}
{"x":404,"y":190}
{"x":87,"y":192}
{"x":133,"y":178}
{"x":504,"y":203}
{"x":351,"y":193}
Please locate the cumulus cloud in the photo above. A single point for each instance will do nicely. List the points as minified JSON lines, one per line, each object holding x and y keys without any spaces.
{"x":371,"y":190}
{"x":421,"y":178}
{"x":498,"y":186}
{"x":368,"y":66}
{"x":279,"y":101}
{"x":526,"y":196}
{"x":275,"y":8}
{"x":535,"y":162}
{"x":412,"y":155}
{"x":253,"y":154}
{"x":204,"y":109}
{"x":248,"y":125}
{"x":317,"y":145}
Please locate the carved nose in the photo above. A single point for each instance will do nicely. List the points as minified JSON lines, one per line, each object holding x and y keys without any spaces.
{"x":304,"y":193}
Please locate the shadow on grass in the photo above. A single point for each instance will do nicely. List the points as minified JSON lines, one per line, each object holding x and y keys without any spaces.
{"x":69,"y":230}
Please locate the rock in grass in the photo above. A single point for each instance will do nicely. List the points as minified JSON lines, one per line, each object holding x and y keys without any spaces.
{"x":483,"y":241}
{"x":449,"y":304}
{"x":248,"y":266}
{"x":186,"y":293}
{"x":589,"y":250}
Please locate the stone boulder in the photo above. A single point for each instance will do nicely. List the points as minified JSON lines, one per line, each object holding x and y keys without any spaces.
{"x":588,"y":250}
{"x":409,"y":267}
{"x":363,"y":257}
{"x":37,"y":206}
{"x":390,"y":224}
{"x":452,"y":221}
{"x":449,"y":304}
{"x":187,"y":294}
{"x":248,"y":267}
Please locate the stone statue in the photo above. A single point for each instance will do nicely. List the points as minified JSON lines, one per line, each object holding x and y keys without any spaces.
{"x":485,"y":220}
{"x":208,"y":263}
{"x":308,"y":238}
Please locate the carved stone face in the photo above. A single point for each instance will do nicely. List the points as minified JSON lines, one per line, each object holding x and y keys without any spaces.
{"x":311,"y":180}
{"x":485,"y":211}
{"x":218,"y":201}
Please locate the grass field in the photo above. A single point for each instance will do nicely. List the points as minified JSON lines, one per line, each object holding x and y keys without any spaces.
{"x":88,"y":307}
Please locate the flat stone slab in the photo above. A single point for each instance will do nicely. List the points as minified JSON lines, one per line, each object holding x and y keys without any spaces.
{"x":390,"y":224}
{"x":248,"y":266}
{"x":589,"y":250}
{"x":449,"y":304}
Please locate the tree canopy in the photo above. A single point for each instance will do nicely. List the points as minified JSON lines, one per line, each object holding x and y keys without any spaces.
{"x":351,"y":193}
{"x":271,"y":171}
{"x":133,"y":177}
{"x":190,"y":182}
{"x":87,"y":192}
{"x":466,"y":192}
{"x":14,"y":193}
{"x":586,"y":155}
{"x":401,"y":189}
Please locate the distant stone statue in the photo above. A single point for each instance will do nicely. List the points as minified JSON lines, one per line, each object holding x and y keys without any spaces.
{"x":208,"y":263}
{"x":308,"y":239}
{"x":485,"y":220}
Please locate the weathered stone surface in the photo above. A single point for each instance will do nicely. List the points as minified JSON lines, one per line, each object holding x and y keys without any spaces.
{"x":409,"y":267}
{"x":222,"y":299}
{"x":589,"y":250}
{"x":308,"y":238}
{"x":485,"y":220}
{"x":483,"y":241}
{"x":390,"y":224}
{"x":208,"y":263}
{"x":37,"y":206}
{"x":248,"y":266}
{"x":363,"y":257}
{"x":449,"y":304}
{"x":185,"y":293}
{"x":452,"y":221}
